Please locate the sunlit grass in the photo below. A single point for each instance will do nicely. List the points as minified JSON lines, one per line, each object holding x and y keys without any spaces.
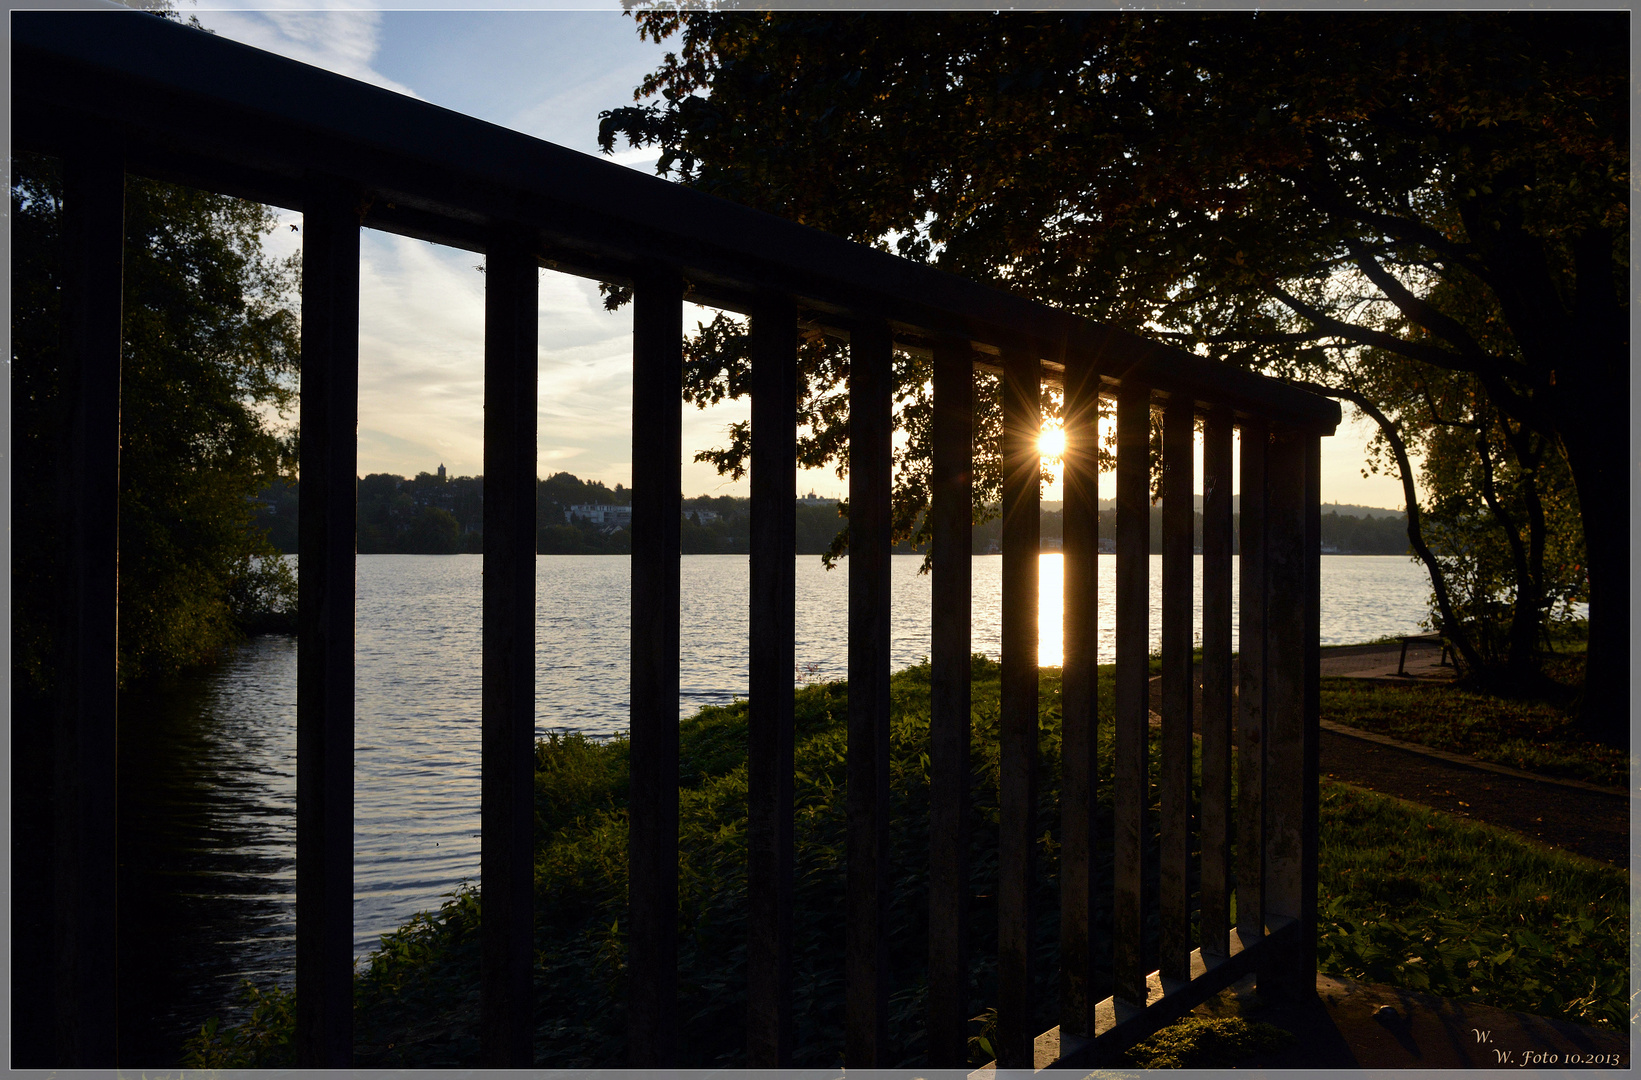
{"x":1413,"y":897}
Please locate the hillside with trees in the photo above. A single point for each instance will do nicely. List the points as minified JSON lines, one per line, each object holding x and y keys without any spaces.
{"x":429,"y":516}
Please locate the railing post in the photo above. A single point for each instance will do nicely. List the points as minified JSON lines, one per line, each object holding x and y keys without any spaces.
{"x":866,"y":967}
{"x":951,"y":487}
{"x":1080,"y":723}
{"x":1250,"y":714}
{"x":1216,"y":683}
{"x":1289,"y":757}
{"x":1174,"y":947}
{"x":324,"y":667}
{"x":1017,"y":767}
{"x":772,"y":629}
{"x":652,"y":850}
{"x":507,"y":794}
{"x":88,"y":494}
{"x":1132,"y":774}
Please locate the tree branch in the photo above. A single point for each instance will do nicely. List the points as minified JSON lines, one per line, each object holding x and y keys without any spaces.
{"x":1450,"y":627}
{"x":1446,"y":359}
{"x":1237,"y":339}
{"x":1319,"y":184}
{"x":1503,"y":394}
{"x":1416,"y":309}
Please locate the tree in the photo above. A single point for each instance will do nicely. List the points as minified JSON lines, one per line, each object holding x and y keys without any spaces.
{"x":1501,"y":516}
{"x":1282,"y":191}
{"x":209,"y":361}
{"x":433,"y":531}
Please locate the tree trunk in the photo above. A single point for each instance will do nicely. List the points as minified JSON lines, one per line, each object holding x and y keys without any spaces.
{"x":1451,"y":627}
{"x":1597,"y":457}
{"x":1521,"y":662}
{"x":1529,"y":450}
{"x":1589,"y":408}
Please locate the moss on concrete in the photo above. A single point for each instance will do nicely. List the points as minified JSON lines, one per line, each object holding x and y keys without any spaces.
{"x":1202,"y":1043}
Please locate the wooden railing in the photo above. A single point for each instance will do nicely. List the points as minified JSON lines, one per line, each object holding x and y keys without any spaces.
{"x":111,"y":93}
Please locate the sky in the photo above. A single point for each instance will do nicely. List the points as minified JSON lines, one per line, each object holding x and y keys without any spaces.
{"x":546,"y":73}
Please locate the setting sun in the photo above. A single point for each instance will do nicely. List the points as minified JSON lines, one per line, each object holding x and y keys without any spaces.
{"x":1051,"y":443}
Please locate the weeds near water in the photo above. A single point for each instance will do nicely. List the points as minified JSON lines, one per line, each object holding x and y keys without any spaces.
{"x":1408,"y":897}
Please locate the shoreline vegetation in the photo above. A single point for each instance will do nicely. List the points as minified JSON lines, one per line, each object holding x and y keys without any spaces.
{"x":433,"y":514}
{"x":1407,"y":897}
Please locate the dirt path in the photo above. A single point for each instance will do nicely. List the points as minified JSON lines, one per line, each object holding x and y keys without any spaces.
{"x":1594,"y":824}
{"x":1589,"y":823}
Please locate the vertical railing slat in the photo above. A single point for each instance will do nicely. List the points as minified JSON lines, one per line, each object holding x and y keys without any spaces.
{"x":771,"y":630}
{"x":507,"y":777}
{"x":951,"y":488}
{"x":324,"y":668}
{"x":1131,"y":715}
{"x":653,"y":750}
{"x":1078,"y":693}
{"x":1174,"y":901}
{"x":1309,"y":777}
{"x":871,"y":426}
{"x":1250,"y":708}
{"x":88,"y":493}
{"x":1217,"y":716}
{"x":1017,"y":768}
{"x":1285,"y":560}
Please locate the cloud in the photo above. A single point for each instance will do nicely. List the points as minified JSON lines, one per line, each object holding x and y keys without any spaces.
{"x":642,"y":158}
{"x":421,"y":352}
{"x":377,"y":445}
{"x":343,"y":41}
{"x":421,"y":361}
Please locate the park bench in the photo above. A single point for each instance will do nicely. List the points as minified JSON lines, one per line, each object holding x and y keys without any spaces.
{"x":1423,"y":639}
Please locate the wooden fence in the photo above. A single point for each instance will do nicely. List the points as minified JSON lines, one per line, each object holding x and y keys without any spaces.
{"x":117,"y":92}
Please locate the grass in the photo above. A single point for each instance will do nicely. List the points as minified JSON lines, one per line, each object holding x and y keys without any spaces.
{"x":1413,"y":897}
{"x":1532,"y":733}
{"x":1408,"y":898}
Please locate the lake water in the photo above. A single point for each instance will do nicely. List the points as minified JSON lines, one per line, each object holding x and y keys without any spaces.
{"x":214,"y":810}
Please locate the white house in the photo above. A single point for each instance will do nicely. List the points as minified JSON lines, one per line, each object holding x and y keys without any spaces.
{"x":601,"y":514}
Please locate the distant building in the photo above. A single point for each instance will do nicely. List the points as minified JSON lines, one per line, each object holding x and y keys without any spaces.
{"x":601,"y":514}
{"x":441,"y":472}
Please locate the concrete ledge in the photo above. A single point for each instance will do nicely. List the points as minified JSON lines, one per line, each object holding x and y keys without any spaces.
{"x":1357,"y":1025}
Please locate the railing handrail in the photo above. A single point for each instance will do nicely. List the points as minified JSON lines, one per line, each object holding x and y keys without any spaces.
{"x":207,"y":111}
{"x":118,"y":92}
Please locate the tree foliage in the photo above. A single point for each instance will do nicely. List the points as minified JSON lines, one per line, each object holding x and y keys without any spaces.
{"x":209,"y":360}
{"x":717,"y":365}
{"x":1501,"y":514}
{"x":1283,"y":191}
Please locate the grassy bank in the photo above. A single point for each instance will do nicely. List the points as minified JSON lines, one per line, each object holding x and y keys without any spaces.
{"x":1512,"y":927}
{"x":1535,"y":732}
